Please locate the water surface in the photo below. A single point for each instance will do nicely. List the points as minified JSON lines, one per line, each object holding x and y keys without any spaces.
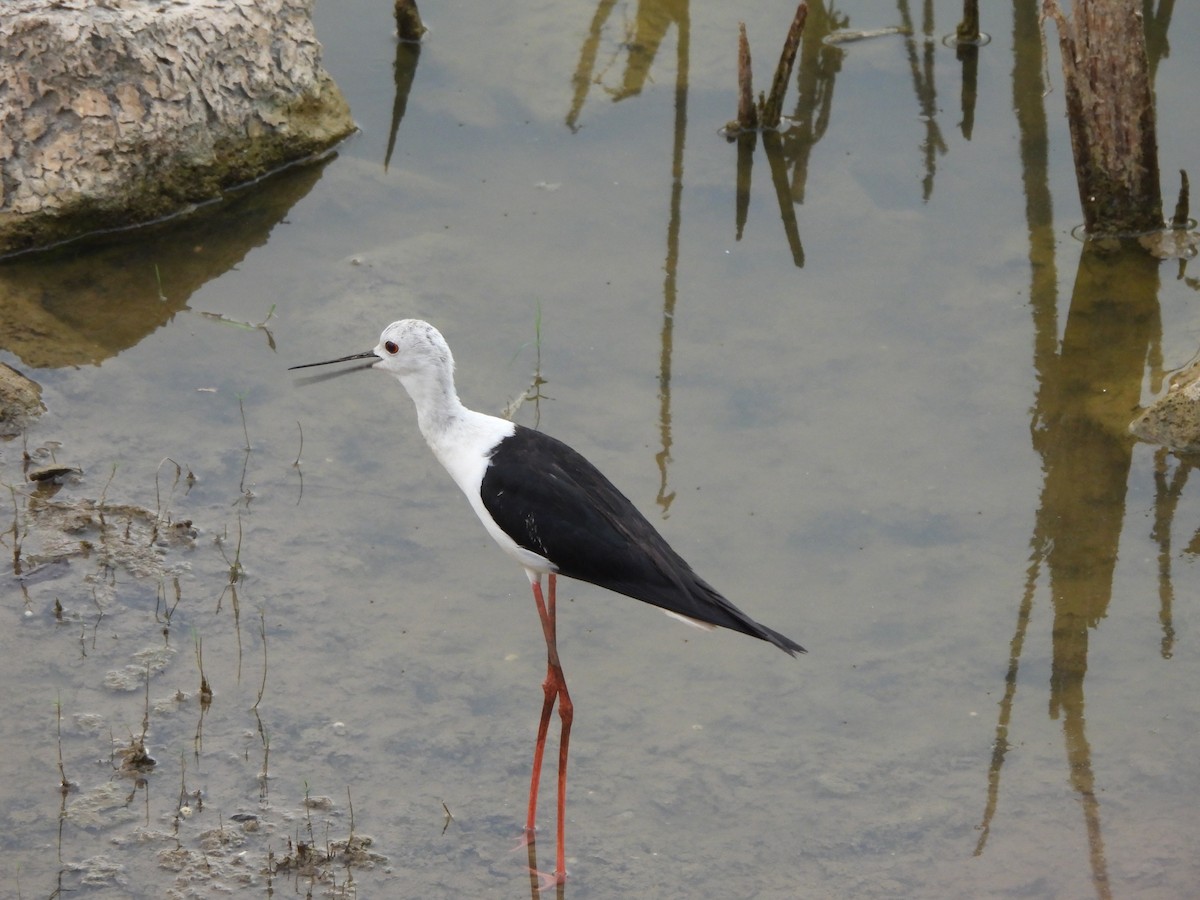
{"x":885,"y":414}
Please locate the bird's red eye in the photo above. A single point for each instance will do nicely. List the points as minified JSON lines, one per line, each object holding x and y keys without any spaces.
{"x":391,"y":347}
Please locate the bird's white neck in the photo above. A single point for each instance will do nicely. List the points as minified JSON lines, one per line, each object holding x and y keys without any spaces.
{"x":461,"y":439}
{"x":438,"y":407}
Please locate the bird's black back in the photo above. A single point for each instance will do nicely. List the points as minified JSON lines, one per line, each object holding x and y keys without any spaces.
{"x":552,"y":501}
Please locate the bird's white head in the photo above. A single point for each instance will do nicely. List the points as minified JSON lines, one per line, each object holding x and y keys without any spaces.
{"x":417,"y":355}
{"x":411,"y":346}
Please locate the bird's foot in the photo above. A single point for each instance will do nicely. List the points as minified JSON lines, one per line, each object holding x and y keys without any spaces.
{"x":527,"y":839}
{"x":540,"y":881}
{"x":548,"y":880}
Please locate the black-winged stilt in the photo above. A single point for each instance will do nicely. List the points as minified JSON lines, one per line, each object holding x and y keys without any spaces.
{"x":554,"y":513}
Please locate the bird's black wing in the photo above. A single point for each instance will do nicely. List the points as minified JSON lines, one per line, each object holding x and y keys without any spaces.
{"x":549,"y":499}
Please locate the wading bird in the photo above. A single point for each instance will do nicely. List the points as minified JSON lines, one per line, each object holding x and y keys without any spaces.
{"x":554,"y":513}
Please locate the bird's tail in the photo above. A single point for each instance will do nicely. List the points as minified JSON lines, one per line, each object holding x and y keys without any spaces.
{"x":705,"y":604}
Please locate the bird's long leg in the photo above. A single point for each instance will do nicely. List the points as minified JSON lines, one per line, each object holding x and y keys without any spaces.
{"x":554,"y":687}
{"x":566,"y":712}
{"x":550,"y":689}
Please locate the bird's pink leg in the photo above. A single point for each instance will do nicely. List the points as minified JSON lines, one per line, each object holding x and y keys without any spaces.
{"x":566,"y":712}
{"x":555,"y":686}
{"x":550,"y":689}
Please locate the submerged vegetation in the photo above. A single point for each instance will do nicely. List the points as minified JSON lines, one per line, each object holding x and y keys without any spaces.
{"x":109,"y":583}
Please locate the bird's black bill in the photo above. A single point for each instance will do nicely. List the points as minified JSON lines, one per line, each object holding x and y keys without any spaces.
{"x":370,"y":354}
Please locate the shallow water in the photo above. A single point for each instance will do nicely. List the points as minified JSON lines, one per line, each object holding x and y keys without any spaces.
{"x":892,"y":428}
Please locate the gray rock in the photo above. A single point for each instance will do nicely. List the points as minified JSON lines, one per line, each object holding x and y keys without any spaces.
{"x":20,"y":401}
{"x":116,"y":112}
{"x":1173,"y":420}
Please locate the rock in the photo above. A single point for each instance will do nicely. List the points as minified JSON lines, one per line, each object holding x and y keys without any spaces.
{"x":20,"y":401}
{"x":1173,"y":420}
{"x":116,"y":112}
{"x":1171,"y":243}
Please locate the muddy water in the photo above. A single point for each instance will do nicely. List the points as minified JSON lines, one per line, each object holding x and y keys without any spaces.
{"x":888,"y":421}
